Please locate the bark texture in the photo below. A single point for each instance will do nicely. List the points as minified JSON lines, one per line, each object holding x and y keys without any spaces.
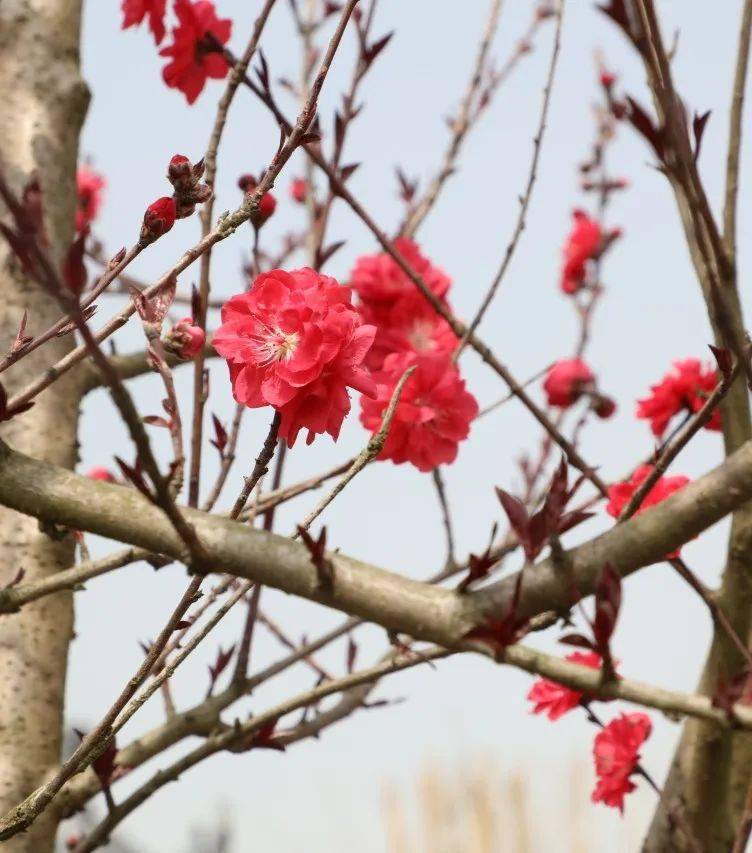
{"x":44,"y":102}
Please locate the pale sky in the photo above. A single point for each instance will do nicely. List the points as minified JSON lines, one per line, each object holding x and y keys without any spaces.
{"x":326,"y":795}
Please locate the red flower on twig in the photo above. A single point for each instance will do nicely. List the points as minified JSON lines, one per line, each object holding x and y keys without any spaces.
{"x":616,"y":753}
{"x":684,"y":388}
{"x":295,"y":342}
{"x":433,"y":414}
{"x":195,"y":52}
{"x":553,"y":699}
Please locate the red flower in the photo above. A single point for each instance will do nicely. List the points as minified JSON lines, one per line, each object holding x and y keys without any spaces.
{"x":158,"y":219}
{"x":185,"y":339}
{"x":295,"y":342}
{"x":89,"y":186}
{"x":433,"y":414}
{"x":616,"y":753}
{"x":99,"y":472}
{"x":553,"y":699}
{"x":378,"y":279}
{"x":134,"y":12}
{"x":299,"y":190}
{"x":619,"y":494}
{"x":194,"y":50}
{"x":583,"y":244}
{"x":685,"y":388}
{"x":567,"y":381}
{"x":409,"y":324}
{"x":267,"y":204}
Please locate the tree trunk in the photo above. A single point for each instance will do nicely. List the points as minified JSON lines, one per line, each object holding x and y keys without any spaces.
{"x":44,"y":101}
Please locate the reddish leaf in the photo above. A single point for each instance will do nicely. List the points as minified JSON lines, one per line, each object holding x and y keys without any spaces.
{"x":134,"y":476}
{"x":724,"y":360}
{"x":104,"y":764}
{"x":372,"y":51}
{"x":578,"y":640}
{"x":317,"y":550}
{"x":730,"y":691}
{"x":352,"y":653}
{"x":265,"y":738}
{"x":500,"y":633}
{"x":33,"y":212}
{"x":346,"y":171}
{"x":698,"y":128}
{"x":22,"y":339}
{"x":644,"y":125}
{"x":156,"y":420}
{"x":220,"y":436}
{"x":324,"y":254}
{"x":607,"y":605}
{"x":20,"y":245}
{"x":517,"y":515}
{"x":407,"y":186}
{"x":70,"y":327}
{"x":16,"y":579}
{"x":74,"y":269}
{"x":162,"y":300}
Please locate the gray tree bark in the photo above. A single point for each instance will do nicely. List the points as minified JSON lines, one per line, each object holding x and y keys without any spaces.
{"x":43,"y":105}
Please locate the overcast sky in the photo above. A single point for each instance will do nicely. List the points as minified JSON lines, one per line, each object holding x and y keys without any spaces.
{"x":326,"y":795}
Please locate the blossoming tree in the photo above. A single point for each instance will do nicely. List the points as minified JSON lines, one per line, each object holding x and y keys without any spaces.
{"x":309,"y":349}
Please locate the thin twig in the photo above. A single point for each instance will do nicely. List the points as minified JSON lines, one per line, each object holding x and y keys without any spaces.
{"x":735,"y":131}
{"x":370,"y":452}
{"x":527,"y":195}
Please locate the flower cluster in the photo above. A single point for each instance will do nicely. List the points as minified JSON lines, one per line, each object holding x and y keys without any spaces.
{"x":196,"y":53}
{"x":616,"y":751}
{"x":615,"y":748}
{"x":620,"y":493}
{"x":161,"y":214}
{"x":295,"y":342}
{"x":684,"y":389}
{"x":435,"y":410}
{"x":569,"y":380}
{"x":586,"y":242}
{"x":433,"y":414}
{"x":89,"y":189}
{"x":553,"y":699}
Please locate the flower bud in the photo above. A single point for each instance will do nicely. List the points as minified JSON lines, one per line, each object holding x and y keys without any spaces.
{"x":299,"y":190}
{"x":267,"y":204}
{"x":158,"y":219}
{"x":185,"y":339}
{"x":604,"y":407}
{"x":180,"y":172}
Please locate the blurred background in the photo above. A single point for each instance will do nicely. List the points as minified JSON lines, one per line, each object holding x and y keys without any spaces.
{"x":459,"y":764}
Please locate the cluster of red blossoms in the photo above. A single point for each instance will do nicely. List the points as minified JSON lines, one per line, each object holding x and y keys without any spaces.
{"x":684,"y":389}
{"x":295,"y":342}
{"x":196,"y":53}
{"x":435,"y":410}
{"x":617,"y":745}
